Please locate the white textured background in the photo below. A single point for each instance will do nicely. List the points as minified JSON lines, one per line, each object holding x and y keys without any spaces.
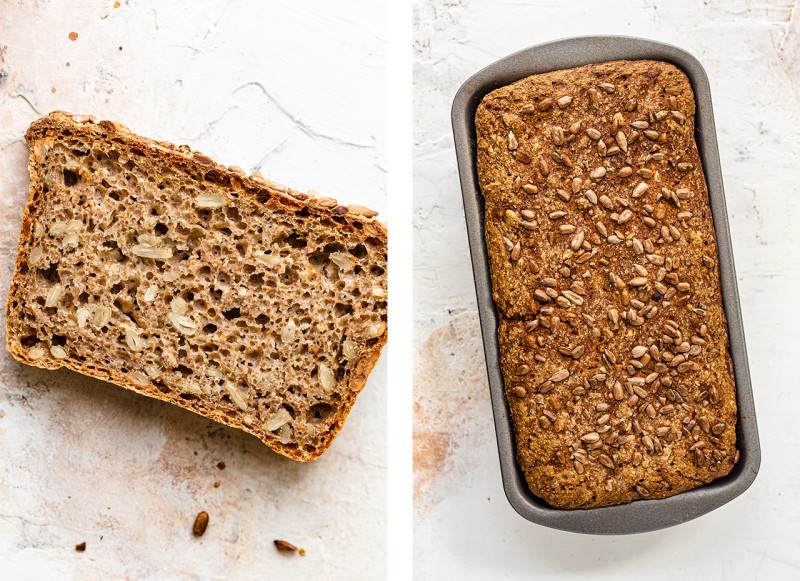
{"x":296,"y":89}
{"x":464,"y":527}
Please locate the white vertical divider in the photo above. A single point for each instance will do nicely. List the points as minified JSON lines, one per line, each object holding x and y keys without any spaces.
{"x":399,"y":400}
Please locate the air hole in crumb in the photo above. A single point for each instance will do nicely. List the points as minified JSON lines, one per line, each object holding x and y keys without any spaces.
{"x":231,"y":314}
{"x":51,"y":274}
{"x":232,"y":213}
{"x":333,"y":247}
{"x":262,"y":320}
{"x":359,"y":251}
{"x":318,"y":260}
{"x":319,"y":412}
{"x":257,"y":279}
{"x":59,"y":340}
{"x":29,"y":341}
{"x":70,"y":178}
{"x":183,"y":370}
{"x":210,"y":328}
{"x":296,"y":241}
{"x":289,"y":276}
{"x":161,"y":229}
{"x":340,"y":309}
{"x":126,"y":307}
{"x":114,"y":195}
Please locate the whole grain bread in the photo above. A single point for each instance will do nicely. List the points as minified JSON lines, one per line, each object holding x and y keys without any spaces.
{"x":604,"y":268}
{"x":155,"y":268}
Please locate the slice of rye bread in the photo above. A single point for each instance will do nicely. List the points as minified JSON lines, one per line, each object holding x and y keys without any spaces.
{"x":159,"y":270}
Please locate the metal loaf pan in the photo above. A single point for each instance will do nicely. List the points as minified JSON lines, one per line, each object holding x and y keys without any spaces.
{"x":642,"y":515}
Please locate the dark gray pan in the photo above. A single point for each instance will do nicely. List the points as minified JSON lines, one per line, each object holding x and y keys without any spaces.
{"x":642,"y":515}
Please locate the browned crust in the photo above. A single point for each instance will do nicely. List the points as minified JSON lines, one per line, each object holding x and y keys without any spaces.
{"x":536,"y":333}
{"x":254,"y":188}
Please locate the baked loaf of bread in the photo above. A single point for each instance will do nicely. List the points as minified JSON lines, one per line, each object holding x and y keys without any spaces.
{"x":604,"y":268}
{"x":155,"y":268}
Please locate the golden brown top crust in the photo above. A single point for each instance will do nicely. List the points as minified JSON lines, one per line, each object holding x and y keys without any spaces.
{"x":604,"y":268}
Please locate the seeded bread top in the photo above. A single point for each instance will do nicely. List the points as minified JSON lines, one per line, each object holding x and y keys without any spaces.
{"x":158,"y":269}
{"x":605,"y":274}
{"x":562,"y":140}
